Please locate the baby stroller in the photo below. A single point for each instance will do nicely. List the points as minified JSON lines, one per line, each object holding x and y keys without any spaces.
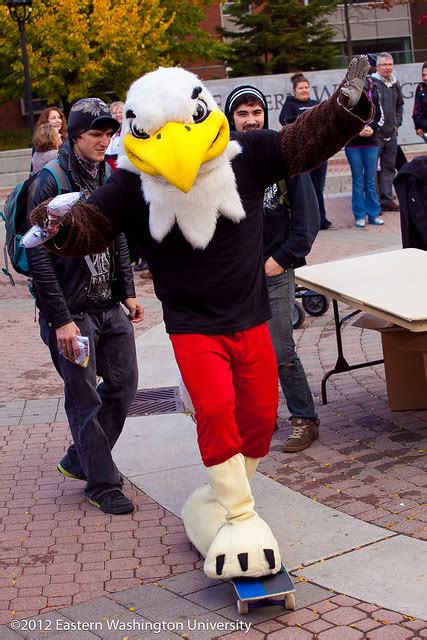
{"x":315,"y":304}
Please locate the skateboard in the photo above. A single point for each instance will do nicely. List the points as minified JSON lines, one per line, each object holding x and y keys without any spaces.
{"x":271,"y":588}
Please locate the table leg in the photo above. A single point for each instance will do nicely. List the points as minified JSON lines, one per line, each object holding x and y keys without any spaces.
{"x":341,"y":364}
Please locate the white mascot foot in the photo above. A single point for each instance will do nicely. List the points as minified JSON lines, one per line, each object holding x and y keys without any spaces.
{"x":244,"y":546}
{"x":203,"y":515}
{"x":247,"y":548}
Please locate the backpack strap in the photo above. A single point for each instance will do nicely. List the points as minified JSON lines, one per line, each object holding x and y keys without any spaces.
{"x":60,"y":176}
{"x":108,"y":171}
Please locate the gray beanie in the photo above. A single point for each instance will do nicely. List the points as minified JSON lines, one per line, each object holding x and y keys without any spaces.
{"x":90,"y":113}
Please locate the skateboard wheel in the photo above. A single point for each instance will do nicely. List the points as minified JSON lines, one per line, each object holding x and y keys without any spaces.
{"x":290,"y":601}
{"x":242,"y":607}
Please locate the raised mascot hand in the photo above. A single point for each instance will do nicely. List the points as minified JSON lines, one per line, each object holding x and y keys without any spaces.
{"x":354,"y":80}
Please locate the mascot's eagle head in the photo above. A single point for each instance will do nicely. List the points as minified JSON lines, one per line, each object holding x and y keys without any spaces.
{"x":171,"y":126}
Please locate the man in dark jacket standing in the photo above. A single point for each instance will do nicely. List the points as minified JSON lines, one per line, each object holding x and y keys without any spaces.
{"x":80,"y":297}
{"x":391,"y":99}
{"x":291,"y":223}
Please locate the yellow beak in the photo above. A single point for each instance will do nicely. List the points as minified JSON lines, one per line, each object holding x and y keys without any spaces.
{"x":177,"y":150}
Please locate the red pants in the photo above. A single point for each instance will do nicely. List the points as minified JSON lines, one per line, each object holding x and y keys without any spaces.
{"x":232,"y":381}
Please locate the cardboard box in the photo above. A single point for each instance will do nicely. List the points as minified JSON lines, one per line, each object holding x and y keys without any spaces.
{"x":405,"y":363}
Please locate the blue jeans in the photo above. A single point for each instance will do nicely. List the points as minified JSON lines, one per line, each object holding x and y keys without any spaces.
{"x":292,"y":376}
{"x":363,"y":164}
{"x":97,"y":412}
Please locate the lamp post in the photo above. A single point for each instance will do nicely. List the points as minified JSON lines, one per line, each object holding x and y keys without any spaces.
{"x":20,"y":11}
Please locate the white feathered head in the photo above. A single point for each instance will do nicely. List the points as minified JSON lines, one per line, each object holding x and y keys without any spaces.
{"x":171,"y":126}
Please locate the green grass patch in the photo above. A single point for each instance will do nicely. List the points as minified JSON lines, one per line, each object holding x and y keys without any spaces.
{"x":16,"y":139}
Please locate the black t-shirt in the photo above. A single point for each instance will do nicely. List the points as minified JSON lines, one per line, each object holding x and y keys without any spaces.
{"x":222,"y":288}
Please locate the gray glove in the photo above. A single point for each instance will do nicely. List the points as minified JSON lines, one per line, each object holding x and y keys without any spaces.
{"x":354,"y":80}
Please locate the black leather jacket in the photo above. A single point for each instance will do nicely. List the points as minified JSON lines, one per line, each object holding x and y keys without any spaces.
{"x":61,"y":284}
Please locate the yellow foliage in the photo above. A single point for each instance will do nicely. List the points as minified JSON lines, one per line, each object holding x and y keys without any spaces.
{"x":78,"y":48}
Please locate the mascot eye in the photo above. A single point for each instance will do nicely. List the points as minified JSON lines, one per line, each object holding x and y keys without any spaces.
{"x":201,"y":112}
{"x":138,"y":133}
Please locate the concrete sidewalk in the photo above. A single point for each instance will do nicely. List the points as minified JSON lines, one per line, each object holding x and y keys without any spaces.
{"x":347,"y":511}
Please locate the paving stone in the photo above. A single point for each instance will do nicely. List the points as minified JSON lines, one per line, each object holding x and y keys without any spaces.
{"x":188,"y":582}
{"x":269,"y":626}
{"x":213,"y":598}
{"x":388,"y":617}
{"x":300,"y":617}
{"x":341,"y":633}
{"x":367,"y":624}
{"x":415,"y":625}
{"x":390,"y":632}
{"x":324,"y":607}
{"x":6,"y":633}
{"x":176,"y":609}
{"x":144,"y":596}
{"x":317,"y":626}
{"x":343,"y":615}
{"x":291,"y":633}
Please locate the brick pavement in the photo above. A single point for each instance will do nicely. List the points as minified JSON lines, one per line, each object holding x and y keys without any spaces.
{"x":59,"y":553}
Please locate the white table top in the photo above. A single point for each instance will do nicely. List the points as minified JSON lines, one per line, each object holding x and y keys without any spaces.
{"x":391,"y":285}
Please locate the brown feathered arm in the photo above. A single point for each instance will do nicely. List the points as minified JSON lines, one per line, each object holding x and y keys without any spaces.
{"x":322,"y":131}
{"x":92,"y":231}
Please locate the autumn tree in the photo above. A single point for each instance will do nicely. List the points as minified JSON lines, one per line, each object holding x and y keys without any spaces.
{"x":87,"y":47}
{"x":280,"y":36}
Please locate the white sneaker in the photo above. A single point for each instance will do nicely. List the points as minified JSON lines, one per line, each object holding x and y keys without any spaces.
{"x":377,"y":221}
{"x":360,"y":224}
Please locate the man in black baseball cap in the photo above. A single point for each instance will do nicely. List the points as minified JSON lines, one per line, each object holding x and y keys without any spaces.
{"x":90,"y":127}
{"x":90,"y":113}
{"x":81,"y":297}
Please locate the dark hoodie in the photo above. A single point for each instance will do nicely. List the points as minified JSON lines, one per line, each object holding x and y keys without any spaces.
{"x":411,"y":188}
{"x":293,"y":108}
{"x":291,"y":211}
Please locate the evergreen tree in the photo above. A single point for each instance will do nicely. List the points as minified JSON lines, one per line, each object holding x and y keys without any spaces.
{"x":280,"y":36}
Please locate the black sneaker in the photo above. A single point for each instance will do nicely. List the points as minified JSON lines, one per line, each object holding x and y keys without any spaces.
{"x":392,"y":206}
{"x":69,"y":474}
{"x":114,"y":502}
{"x":326,"y":224}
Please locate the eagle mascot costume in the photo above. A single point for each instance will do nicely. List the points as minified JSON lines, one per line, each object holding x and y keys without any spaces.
{"x":192,"y":198}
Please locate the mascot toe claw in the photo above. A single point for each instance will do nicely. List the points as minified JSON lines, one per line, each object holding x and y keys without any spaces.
{"x":243,"y":549}
{"x":269,"y":554}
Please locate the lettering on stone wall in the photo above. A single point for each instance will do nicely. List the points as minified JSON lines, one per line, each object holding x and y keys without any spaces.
{"x":323,"y":85}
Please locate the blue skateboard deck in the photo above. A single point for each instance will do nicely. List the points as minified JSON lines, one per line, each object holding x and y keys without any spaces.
{"x":273,"y":587}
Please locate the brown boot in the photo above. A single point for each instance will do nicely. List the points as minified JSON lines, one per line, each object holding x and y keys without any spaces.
{"x":304,"y":432}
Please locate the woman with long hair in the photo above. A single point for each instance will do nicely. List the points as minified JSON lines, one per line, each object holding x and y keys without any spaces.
{"x":54,"y":116}
{"x":46,"y":142}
